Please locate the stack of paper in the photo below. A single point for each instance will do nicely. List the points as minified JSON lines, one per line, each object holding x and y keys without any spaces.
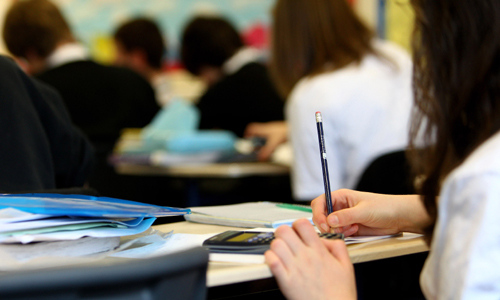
{"x":33,"y":225}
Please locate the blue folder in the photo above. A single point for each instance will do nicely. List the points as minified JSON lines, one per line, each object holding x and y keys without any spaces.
{"x":86,"y":206}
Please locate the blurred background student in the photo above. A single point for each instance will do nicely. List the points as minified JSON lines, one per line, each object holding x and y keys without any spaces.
{"x":327,"y":60}
{"x":41,"y":149}
{"x":239,"y":88}
{"x":141,"y":47}
{"x":101,"y":100}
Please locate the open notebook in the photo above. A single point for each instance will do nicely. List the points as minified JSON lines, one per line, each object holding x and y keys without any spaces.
{"x":250,"y":215}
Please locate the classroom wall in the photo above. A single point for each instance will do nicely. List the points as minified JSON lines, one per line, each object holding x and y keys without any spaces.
{"x":94,"y":20}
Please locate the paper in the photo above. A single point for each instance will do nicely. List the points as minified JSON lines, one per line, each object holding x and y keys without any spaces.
{"x":12,"y":215}
{"x":76,"y":234}
{"x":175,"y":243}
{"x":53,"y":256}
{"x":64,"y":221}
{"x":80,"y":247}
{"x":364,"y":239}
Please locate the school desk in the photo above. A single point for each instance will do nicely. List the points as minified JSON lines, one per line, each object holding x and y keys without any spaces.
{"x":229,"y":279}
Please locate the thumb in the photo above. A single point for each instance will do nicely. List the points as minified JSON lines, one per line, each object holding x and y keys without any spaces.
{"x":344,"y":217}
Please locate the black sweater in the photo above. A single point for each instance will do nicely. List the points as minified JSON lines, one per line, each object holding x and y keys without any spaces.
{"x":40,"y":147}
{"x":102,"y":100}
{"x":239,"y":99}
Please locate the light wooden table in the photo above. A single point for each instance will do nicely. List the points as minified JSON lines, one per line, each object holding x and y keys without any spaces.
{"x":222,"y":273}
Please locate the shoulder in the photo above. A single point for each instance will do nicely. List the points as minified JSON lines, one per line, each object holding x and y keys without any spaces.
{"x":474,"y":182}
{"x":392,"y":50}
{"x":250,"y":74}
{"x":7,"y":63}
{"x":249,"y":81}
{"x":483,"y":160}
{"x":334,"y":87}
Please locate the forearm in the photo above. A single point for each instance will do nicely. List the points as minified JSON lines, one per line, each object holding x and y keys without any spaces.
{"x":412,"y":215}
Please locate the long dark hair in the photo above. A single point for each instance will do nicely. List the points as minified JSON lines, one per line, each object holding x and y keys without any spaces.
{"x":456,"y":51}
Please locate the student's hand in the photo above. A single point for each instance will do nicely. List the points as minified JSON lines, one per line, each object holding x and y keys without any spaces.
{"x":275,"y":133}
{"x":307,"y":267}
{"x":359,"y":213}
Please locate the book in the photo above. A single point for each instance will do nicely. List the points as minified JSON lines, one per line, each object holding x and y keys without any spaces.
{"x":249,"y":215}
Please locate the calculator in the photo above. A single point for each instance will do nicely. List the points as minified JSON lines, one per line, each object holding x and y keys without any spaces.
{"x":248,"y":242}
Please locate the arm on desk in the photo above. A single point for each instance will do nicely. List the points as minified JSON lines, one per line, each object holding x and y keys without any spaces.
{"x":275,"y":133}
{"x":360,"y":213}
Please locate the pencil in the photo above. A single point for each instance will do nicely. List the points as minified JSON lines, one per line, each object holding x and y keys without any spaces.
{"x":324,"y":163}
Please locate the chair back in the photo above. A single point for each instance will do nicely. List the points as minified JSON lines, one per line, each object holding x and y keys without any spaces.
{"x":176,"y":276}
{"x":389,"y":173}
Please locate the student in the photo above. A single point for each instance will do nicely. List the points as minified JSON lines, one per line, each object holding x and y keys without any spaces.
{"x":328,"y":60}
{"x":456,"y":80}
{"x":239,"y":89}
{"x":141,"y":47}
{"x":101,"y":100}
{"x":40,"y":148}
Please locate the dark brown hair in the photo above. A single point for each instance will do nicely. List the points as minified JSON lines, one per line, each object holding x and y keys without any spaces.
{"x":315,"y":36}
{"x":143,"y":34}
{"x":34,"y":25}
{"x":456,"y":51}
{"x":208,"y":41}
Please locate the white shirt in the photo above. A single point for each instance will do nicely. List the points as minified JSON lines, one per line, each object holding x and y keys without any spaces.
{"x":67,"y":53}
{"x":366,"y":110}
{"x":163,"y":89}
{"x":241,"y":58}
{"x":464,"y":259}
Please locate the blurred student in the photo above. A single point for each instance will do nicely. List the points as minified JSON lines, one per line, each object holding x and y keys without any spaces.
{"x":101,"y":100}
{"x":328,"y":60}
{"x":456,"y":80}
{"x":141,"y":47}
{"x":239,"y":88}
{"x":40,"y":149}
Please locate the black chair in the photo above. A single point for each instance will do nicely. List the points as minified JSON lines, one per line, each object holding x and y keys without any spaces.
{"x":389,"y":173}
{"x":176,"y":276}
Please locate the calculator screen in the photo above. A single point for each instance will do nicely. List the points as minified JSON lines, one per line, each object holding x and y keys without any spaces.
{"x":241,"y":237}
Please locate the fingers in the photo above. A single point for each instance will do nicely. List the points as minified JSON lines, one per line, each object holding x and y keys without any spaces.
{"x":339,"y":201}
{"x":290,"y":237}
{"x":344,"y":217}
{"x":338,"y":249}
{"x":306,"y":232}
{"x":318,"y":206}
{"x":275,"y":264}
{"x":266,"y":151}
{"x":252,"y":129}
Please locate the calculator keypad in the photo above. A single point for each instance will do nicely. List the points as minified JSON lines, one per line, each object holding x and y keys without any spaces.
{"x":262,"y":238}
{"x":268,"y":237}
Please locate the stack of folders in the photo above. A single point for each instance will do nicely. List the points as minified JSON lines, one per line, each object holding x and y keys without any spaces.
{"x":34,"y":225}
